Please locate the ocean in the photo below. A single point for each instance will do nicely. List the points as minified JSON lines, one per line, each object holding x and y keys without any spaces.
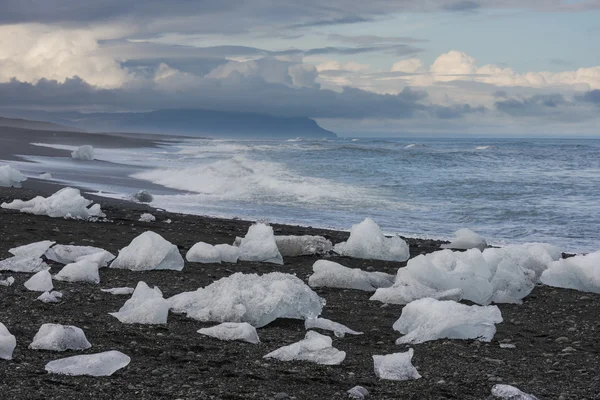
{"x":508,"y":190}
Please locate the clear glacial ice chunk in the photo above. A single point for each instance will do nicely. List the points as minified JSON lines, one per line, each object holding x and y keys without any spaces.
{"x":66,"y":254}
{"x":8,"y":343}
{"x":228,"y":253}
{"x":203,"y":253}
{"x":146,"y":306}
{"x":331,"y":274}
{"x":368,"y":241}
{"x":85,"y":153}
{"x":149,"y":251}
{"x":57,"y":337}
{"x":581,"y":272}
{"x":465,"y":239}
{"x":7,"y":282}
{"x":99,"y":364}
{"x":306,"y":245}
{"x":119,"y":290}
{"x":314,"y":347}
{"x":40,"y":282}
{"x":10,"y":177}
{"x":23,"y":264}
{"x":429,"y":319}
{"x":259,"y":245}
{"x":50,"y":297}
{"x":252,"y":298}
{"x":32,"y":250}
{"x":80,"y":271}
{"x":66,"y":203}
{"x":508,"y":392}
{"x":338,"y":329}
{"x":395,"y":366}
{"x":147,"y":217}
{"x":232,"y":331}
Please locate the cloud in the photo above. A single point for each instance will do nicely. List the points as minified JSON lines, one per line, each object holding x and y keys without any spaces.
{"x":531,"y":106}
{"x":462,"y":6}
{"x":372,"y":40}
{"x":593,"y":96}
{"x":335,"y":21}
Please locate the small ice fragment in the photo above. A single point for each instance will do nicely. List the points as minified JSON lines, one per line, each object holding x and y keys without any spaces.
{"x":11,"y":177}
{"x":149,"y":251}
{"x":66,"y":254}
{"x":50,"y":297}
{"x":358,"y":392}
{"x":168,"y":221}
{"x":203,"y":253}
{"x":314,"y":347}
{"x":294,"y":246}
{"x":147,"y":217}
{"x":329,"y":325}
{"x":80,"y":271}
{"x":465,"y":239}
{"x":367,"y":241}
{"x":119,"y":290}
{"x":508,"y":392}
{"x":23,"y":264}
{"x":507,"y":346}
{"x":7,"y":282}
{"x":40,"y":282}
{"x":85,"y":153}
{"x":99,"y":364}
{"x":146,"y":306}
{"x":228,"y":253}
{"x":252,"y":298}
{"x":56,"y":337}
{"x":8,"y":343}
{"x":143,"y":197}
{"x":396,"y":366}
{"x":429,"y":319}
{"x":331,"y":274}
{"x":259,"y":245}
{"x":45,"y":175}
{"x":66,"y":203}
{"x":33,"y":250}
{"x":232,"y":331}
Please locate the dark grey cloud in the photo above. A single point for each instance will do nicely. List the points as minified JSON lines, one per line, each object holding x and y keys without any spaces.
{"x":373,"y":40}
{"x":532,"y":106}
{"x":462,"y":6}
{"x":236,"y":93}
{"x":398,"y":50}
{"x":592,"y":97}
{"x":353,"y":19}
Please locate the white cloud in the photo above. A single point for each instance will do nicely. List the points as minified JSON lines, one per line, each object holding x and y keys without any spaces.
{"x":411,"y":66}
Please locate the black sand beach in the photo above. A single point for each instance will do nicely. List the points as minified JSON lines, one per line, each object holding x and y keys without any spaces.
{"x":175,"y":362}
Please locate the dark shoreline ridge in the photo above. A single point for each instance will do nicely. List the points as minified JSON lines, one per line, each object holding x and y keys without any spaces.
{"x":173,"y":361}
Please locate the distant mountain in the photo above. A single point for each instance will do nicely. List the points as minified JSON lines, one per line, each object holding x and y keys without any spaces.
{"x":34,"y":125}
{"x":190,"y":122}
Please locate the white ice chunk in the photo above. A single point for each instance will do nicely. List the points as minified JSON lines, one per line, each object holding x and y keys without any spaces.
{"x":45,"y":175}
{"x":119,"y":290}
{"x":66,"y":203}
{"x":100,"y":364}
{"x":314,"y":347}
{"x":331,"y":274}
{"x":203,"y":253}
{"x":429,"y":319}
{"x":85,"y":152}
{"x":367,"y":241}
{"x":323,"y":323}
{"x":358,"y":392}
{"x":80,"y":271}
{"x":50,"y":297}
{"x":33,"y":250}
{"x":66,"y":254}
{"x":228,"y":253}
{"x":293,"y":246}
{"x":232,"y":331}
{"x":396,"y":366}
{"x":146,"y":306}
{"x":508,"y":392}
{"x":11,"y":177}
{"x":407,"y":289}
{"x":147,"y":217}
{"x":40,"y":282}
{"x":259,"y":245}
{"x":7,"y":282}
{"x":23,"y":264}
{"x":581,"y":273}
{"x":465,"y":239}
{"x":149,"y":251}
{"x":252,"y":298}
{"x":56,"y":337}
{"x":8,"y":343}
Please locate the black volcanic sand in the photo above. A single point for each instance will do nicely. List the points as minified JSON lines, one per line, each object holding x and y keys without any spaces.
{"x":174,"y":361}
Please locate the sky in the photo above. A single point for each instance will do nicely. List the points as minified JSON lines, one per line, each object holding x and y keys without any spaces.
{"x":500,"y":67}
